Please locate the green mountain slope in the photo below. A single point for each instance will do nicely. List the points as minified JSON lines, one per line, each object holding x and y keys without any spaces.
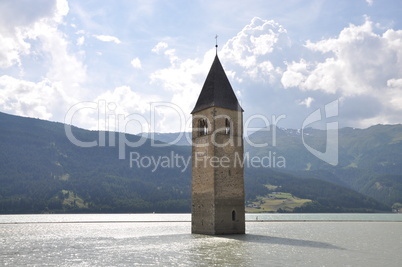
{"x":325,"y":196}
{"x":366,"y":158}
{"x":42,"y":171}
{"x":37,"y":162}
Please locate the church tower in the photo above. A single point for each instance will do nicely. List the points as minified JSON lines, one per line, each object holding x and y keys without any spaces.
{"x":217,"y":158}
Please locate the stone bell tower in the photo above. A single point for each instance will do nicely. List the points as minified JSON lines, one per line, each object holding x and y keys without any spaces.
{"x":217,"y":158}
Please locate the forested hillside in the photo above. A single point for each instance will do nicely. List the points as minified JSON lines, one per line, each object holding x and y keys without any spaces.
{"x":42,"y":171}
{"x":38,"y":162}
{"x":370,"y":160}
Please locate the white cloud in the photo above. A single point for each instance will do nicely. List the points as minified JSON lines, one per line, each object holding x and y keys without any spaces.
{"x":249,"y":56}
{"x":395,"y":83}
{"x":108,"y":38}
{"x":64,"y":67}
{"x":264,"y":43}
{"x":159,"y":47}
{"x":307,"y":102}
{"x":15,"y":29}
{"x":394,"y":92}
{"x":36,"y":33}
{"x":80,"y":40}
{"x":40,"y":23}
{"x":11,"y":48}
{"x":39,"y":100}
{"x":136,"y":63}
{"x":253,"y":49}
{"x":121,"y":103}
{"x":171,"y":54}
{"x":370,"y":2}
{"x":359,"y":62}
{"x":348,"y":68}
{"x":20,"y":14}
{"x":182,"y":80}
{"x":295,"y":74}
{"x":126,"y":100}
{"x":50,"y":53}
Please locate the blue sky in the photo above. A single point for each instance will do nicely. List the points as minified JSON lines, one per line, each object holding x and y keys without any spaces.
{"x":139,"y":65}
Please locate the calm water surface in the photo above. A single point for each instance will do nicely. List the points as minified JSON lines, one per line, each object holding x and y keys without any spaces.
{"x":165,"y":240}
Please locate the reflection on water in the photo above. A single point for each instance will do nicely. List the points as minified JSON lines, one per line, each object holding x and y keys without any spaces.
{"x":253,"y":238}
{"x":119,"y":243}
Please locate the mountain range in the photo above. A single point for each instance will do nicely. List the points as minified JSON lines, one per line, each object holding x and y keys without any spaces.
{"x":41,"y":170}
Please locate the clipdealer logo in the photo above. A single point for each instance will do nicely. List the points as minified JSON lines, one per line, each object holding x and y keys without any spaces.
{"x":330,"y":155}
{"x":270,"y":160}
{"x":177,"y":161}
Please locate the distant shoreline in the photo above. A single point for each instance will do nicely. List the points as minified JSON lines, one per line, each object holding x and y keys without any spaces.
{"x":186,"y":218}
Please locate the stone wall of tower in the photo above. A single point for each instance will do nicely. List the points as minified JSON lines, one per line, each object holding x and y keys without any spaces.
{"x":229,"y":177}
{"x":203,"y":205}
{"x":218,"y":174}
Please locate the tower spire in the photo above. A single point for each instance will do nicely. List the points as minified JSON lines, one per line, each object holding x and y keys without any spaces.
{"x":217,"y":91}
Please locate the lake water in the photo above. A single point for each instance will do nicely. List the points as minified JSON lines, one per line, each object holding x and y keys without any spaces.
{"x":165,"y":240}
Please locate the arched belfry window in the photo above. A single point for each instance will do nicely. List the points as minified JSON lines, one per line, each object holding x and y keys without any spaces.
{"x":233,"y":215}
{"x":227,"y":126}
{"x":203,"y":127}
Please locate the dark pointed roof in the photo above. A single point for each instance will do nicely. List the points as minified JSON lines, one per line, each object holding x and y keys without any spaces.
{"x":217,"y":91}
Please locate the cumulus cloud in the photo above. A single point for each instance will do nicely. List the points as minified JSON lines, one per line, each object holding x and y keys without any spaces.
{"x":26,"y":98}
{"x":125,"y":110}
{"x":359,"y":62}
{"x":64,"y":67}
{"x":183,"y":78}
{"x":251,"y":58}
{"x":35,"y":32}
{"x":28,"y":13}
{"x":394,"y":83}
{"x":126,"y":100}
{"x":15,"y":31}
{"x":270,"y":74}
{"x":295,"y":74}
{"x":348,"y":68}
{"x":257,"y":48}
{"x":136,"y":63}
{"x":370,"y":2}
{"x":159,"y":47}
{"x":182,"y":82}
{"x":80,"y":40}
{"x":11,"y":48}
{"x":307,"y":102}
{"x":108,"y":38}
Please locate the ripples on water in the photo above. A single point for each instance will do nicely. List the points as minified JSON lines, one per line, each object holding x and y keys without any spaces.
{"x":125,"y":240}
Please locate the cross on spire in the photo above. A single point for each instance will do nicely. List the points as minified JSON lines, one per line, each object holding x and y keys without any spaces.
{"x":216,"y":43}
